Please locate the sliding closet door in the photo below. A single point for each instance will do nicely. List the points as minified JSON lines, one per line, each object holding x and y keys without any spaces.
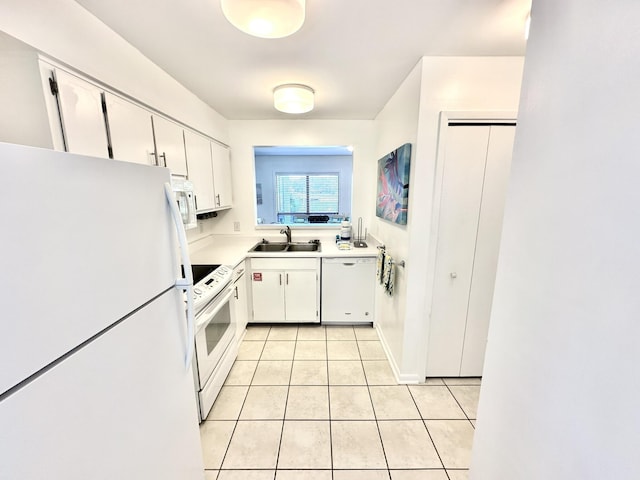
{"x":476,"y":169}
{"x":487,"y":248}
{"x":466,"y":151}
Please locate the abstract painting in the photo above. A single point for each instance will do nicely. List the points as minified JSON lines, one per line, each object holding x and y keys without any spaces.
{"x":393,"y":185}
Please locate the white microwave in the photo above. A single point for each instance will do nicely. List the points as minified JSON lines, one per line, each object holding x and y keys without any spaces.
{"x":183,"y":191}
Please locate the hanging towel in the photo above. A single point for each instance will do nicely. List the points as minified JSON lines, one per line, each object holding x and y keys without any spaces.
{"x":380,"y":266}
{"x":389,"y":273}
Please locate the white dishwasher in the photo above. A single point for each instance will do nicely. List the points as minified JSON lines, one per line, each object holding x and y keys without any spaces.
{"x":348,"y":290}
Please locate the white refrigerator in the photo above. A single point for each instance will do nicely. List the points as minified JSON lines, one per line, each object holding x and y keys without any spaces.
{"x":94,"y":381}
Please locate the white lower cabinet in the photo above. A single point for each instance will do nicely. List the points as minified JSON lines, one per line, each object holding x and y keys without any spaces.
{"x":285,"y":290}
{"x":240,"y":301}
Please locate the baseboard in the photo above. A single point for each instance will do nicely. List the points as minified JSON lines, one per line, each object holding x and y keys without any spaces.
{"x":400,"y":377}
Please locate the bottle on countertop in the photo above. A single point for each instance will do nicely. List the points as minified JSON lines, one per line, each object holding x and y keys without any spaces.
{"x":345,"y":231}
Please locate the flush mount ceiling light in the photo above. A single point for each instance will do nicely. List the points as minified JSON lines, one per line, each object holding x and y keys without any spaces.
{"x":265,"y":18}
{"x":293,"y":98}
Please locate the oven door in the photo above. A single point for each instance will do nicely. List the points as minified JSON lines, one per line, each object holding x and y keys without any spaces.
{"x":214,"y":332}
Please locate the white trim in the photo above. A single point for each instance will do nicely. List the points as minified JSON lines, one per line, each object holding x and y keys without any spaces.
{"x":400,"y":378}
{"x":473,"y":116}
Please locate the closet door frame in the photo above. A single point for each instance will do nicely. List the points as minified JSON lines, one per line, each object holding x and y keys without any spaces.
{"x":447,"y":117}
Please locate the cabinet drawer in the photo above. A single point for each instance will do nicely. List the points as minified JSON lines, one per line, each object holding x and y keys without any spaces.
{"x":284,"y":263}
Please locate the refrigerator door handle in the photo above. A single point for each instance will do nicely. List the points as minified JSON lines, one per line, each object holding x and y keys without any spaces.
{"x":185,"y":283}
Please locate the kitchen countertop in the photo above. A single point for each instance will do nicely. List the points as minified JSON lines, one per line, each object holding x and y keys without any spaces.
{"x":233,"y":249}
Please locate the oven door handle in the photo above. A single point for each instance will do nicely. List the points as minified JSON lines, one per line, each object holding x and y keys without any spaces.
{"x":212,"y":310}
{"x":183,"y":283}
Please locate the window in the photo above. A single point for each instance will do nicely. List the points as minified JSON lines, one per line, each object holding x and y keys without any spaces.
{"x":308,"y":194}
{"x":303,"y":185}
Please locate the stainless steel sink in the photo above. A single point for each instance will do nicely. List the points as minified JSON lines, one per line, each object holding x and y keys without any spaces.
{"x":275,"y":247}
{"x":303,"y":247}
{"x":269,"y":247}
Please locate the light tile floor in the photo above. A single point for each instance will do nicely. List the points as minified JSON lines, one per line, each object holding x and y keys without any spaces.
{"x":321,"y":403}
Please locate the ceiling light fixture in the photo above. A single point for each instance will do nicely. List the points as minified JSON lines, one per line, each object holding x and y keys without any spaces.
{"x":265,"y":18}
{"x":293,"y":98}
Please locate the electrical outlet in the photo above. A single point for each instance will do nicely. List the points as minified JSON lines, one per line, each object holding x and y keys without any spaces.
{"x":236,"y":226}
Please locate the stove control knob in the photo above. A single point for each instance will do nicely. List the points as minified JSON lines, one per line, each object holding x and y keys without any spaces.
{"x":197,"y":291}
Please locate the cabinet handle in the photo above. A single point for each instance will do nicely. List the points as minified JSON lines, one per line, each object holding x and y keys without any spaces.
{"x":280,"y":278}
{"x":236,"y":294}
{"x":348,"y":264}
{"x":195,"y":200}
{"x":218,"y":200}
{"x":155,"y":158}
{"x":453,"y":275}
{"x":163,"y":156}
{"x":287,"y":279}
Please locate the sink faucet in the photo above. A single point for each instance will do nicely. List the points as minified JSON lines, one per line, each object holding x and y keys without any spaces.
{"x":287,"y":231}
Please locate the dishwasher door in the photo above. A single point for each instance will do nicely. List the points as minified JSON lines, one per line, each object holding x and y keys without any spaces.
{"x":348,"y":289}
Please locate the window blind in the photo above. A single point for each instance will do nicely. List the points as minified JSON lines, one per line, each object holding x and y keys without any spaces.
{"x":307,"y":193}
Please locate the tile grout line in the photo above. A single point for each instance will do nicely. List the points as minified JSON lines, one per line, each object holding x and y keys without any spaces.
{"x":459,"y":404}
{"x":373,"y":408}
{"x":286,"y":402}
{"x":429,"y":433}
{"x":240,"y":412}
{"x":326,"y":351}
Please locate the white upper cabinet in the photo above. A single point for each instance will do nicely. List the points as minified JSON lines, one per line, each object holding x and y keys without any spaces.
{"x":198,"y":150}
{"x":210,"y":171}
{"x":130,"y":131}
{"x":169,"y":145}
{"x":221,"y":175}
{"x":81,"y":113}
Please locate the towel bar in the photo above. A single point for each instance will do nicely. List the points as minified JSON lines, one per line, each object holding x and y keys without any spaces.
{"x":400,"y":263}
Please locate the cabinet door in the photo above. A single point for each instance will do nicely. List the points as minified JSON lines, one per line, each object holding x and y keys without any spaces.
{"x":130,"y":131}
{"x":198,"y":151}
{"x":301,"y":296}
{"x":221,"y":175}
{"x":239,"y":306}
{"x":169,"y":146}
{"x":268,"y":296}
{"x":81,"y":113}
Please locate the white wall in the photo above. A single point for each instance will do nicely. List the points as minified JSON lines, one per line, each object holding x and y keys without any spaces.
{"x":396,"y":125}
{"x":560,"y":393}
{"x":65,"y":31}
{"x":245,"y":134}
{"x":436,"y":84}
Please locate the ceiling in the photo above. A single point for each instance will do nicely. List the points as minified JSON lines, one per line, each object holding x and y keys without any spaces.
{"x":353,"y":53}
